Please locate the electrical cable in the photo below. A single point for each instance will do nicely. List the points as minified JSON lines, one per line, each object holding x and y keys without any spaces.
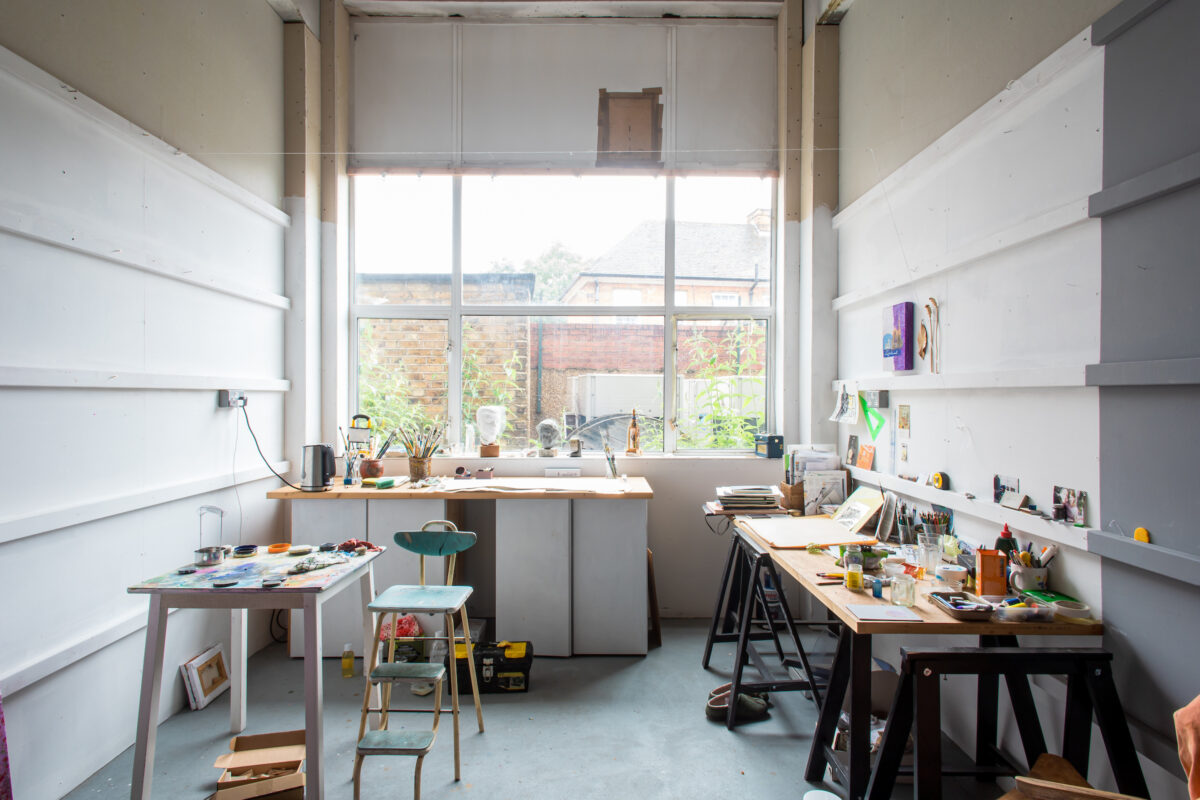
{"x":237,"y":429}
{"x":277,"y":620}
{"x":260,"y":452}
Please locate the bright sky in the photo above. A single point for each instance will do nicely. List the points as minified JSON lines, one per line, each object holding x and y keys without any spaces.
{"x":402,"y":223}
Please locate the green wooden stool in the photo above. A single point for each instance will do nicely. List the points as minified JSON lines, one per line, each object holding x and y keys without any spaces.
{"x":446,"y":600}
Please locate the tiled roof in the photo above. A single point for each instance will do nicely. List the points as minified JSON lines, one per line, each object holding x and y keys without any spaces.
{"x":702,"y":250}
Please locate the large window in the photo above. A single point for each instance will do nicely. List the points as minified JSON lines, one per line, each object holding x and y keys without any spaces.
{"x":570,"y":298}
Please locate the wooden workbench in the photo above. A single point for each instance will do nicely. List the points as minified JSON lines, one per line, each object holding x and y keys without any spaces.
{"x":570,"y":553}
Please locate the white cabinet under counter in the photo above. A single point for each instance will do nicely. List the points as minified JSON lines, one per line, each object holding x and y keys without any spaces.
{"x":569,"y":555}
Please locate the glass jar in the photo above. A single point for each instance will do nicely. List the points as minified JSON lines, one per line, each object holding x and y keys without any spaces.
{"x":854,"y":577}
{"x":904,"y":591}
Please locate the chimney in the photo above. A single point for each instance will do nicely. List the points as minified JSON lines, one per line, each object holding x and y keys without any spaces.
{"x":760,"y":218}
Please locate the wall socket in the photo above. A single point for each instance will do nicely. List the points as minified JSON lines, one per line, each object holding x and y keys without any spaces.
{"x":230,"y":398}
{"x":563,"y":472}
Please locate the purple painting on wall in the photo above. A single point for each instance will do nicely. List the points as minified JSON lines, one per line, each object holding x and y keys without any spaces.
{"x":898,"y":337}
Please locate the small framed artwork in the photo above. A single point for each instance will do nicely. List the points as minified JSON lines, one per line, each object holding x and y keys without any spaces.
{"x":205,"y":676}
{"x":1070,"y":505}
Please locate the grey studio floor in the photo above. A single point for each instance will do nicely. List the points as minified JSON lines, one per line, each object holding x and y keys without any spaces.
{"x":590,"y":727}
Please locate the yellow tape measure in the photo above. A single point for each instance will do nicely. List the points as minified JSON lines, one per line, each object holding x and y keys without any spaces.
{"x":941,"y":480}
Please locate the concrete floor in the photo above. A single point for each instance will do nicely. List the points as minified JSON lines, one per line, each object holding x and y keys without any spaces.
{"x":590,"y":727}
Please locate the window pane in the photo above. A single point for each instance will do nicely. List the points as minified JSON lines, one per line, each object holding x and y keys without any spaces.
{"x":721,"y":399}
{"x":403,"y":373}
{"x":561,"y":240}
{"x":402,"y":239}
{"x":723,"y":240}
{"x":587,"y":374}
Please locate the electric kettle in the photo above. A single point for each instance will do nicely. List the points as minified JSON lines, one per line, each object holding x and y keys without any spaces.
{"x":318,"y":468}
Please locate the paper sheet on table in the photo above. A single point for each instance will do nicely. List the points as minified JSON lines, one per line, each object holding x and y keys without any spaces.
{"x":785,"y":533}
{"x":883,"y":613}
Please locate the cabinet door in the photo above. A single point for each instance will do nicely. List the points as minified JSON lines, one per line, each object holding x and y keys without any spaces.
{"x":533,"y":574}
{"x":609,"y":576}
{"x":397,"y":565}
{"x":314,"y":522}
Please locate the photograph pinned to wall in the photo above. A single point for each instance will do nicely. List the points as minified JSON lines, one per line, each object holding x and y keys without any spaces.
{"x":1002,"y":484}
{"x":866,"y":456}
{"x":852,"y":451}
{"x":846,"y":409}
{"x":904,"y":451}
{"x":898,"y":337}
{"x":205,"y":676}
{"x":903,"y":421}
{"x":1070,"y":505}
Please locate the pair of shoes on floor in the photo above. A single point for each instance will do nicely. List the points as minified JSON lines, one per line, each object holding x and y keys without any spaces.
{"x":751,"y":706}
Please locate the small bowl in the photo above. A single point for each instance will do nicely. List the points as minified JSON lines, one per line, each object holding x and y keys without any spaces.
{"x":371,"y":468}
{"x":207,"y":556}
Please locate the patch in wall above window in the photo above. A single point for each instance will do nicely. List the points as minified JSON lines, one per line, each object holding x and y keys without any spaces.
{"x":630,"y":129}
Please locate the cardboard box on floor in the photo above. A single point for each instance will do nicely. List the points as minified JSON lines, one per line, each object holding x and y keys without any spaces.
{"x":260,"y":765}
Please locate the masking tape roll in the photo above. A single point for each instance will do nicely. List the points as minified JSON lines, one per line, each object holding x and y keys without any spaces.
{"x":941,"y":480}
{"x":1070,"y":608}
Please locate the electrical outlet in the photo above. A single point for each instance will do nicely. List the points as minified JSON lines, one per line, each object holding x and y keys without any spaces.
{"x":231,"y":398}
{"x":563,"y":473}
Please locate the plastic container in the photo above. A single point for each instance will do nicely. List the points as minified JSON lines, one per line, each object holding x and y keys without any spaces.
{"x":348,"y":661}
{"x":1025,"y":614}
{"x":952,"y":603}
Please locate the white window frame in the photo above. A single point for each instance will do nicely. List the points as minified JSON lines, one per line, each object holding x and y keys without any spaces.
{"x":670,"y":311}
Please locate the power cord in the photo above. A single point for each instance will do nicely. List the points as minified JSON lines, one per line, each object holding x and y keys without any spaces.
{"x":260,"y":453}
{"x":277,"y":619}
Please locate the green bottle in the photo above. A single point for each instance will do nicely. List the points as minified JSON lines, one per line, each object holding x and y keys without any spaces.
{"x":1006,"y":544}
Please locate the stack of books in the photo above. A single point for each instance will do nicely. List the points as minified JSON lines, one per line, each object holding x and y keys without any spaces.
{"x":748,"y":498}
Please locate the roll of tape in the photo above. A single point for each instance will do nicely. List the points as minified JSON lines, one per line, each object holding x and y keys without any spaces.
{"x":1071,"y":608}
{"x":941,"y":480}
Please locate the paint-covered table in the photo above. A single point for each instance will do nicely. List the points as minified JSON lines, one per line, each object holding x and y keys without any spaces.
{"x":306,"y":591}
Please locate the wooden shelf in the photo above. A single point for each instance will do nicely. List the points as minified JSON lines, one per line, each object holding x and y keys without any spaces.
{"x":1018,"y":521}
{"x":1033,"y":378}
{"x":1164,"y":372}
{"x":1164,"y":561}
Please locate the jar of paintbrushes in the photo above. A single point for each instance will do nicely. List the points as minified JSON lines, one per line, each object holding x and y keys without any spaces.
{"x":420,"y":443}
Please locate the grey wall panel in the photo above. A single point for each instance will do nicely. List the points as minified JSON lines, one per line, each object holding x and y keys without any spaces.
{"x":1151,"y":96}
{"x":1151,"y":627}
{"x":1149,"y":279}
{"x":1148,"y":445}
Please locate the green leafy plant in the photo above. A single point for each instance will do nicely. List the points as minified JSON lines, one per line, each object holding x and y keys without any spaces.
{"x":731,"y":384}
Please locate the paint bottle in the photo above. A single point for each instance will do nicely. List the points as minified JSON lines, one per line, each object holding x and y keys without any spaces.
{"x":1005,"y":543}
{"x":348,"y":661}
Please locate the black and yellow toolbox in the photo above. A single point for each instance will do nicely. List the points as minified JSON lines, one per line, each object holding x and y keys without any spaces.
{"x":499,"y":666}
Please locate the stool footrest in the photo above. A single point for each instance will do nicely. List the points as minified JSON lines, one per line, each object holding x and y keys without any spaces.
{"x":396,"y":743}
{"x":402,"y":671}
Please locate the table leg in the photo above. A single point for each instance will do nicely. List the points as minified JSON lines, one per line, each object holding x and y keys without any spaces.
{"x":1025,"y":712}
{"x":720,"y":613}
{"x":366,"y":585}
{"x":314,"y":744}
{"x":1077,"y":727}
{"x":895,"y":739}
{"x":147,"y":724}
{"x":928,"y":740}
{"x":831,"y":708}
{"x":739,"y":657}
{"x":237,"y":665}
{"x":987,"y":714}
{"x":1122,"y":755}
{"x":860,"y":715}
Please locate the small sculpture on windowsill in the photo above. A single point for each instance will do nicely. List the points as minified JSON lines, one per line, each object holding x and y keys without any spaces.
{"x":633,"y":438}
{"x":491,"y":421}
{"x":548,"y":433}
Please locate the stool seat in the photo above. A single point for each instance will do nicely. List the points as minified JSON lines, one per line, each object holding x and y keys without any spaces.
{"x":396,"y":743}
{"x":405,"y":671}
{"x":403,"y":598}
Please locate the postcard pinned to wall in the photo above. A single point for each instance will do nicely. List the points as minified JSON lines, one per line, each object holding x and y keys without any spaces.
{"x":846,"y":409}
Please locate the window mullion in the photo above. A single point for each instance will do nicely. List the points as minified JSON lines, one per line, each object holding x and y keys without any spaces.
{"x":668,"y":389}
{"x":457,"y":426}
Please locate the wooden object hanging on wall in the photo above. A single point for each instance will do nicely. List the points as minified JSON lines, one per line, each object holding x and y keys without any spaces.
{"x":630,"y":129}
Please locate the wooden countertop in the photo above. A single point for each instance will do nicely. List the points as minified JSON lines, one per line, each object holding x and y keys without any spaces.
{"x":804,"y":566}
{"x":634,"y":488}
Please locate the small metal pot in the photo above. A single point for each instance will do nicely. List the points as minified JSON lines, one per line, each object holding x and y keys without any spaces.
{"x":207,"y":556}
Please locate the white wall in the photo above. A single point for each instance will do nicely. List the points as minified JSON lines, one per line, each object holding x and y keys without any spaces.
{"x":991,"y":220}
{"x":134,"y":282}
{"x":527,"y":93}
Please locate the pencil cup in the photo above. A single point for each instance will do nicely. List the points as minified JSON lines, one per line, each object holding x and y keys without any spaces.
{"x":1028,"y":579}
{"x":418,"y":468}
{"x":908,"y":534}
